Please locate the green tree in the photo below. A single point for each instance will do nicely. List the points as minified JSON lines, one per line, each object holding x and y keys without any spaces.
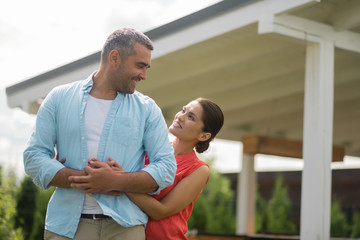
{"x":339,"y":226}
{"x":260,"y":214}
{"x":278,"y":211}
{"x":26,"y":206}
{"x":42,"y":200}
{"x":31,"y":209}
{"x":355,"y":229}
{"x":8,"y":190}
{"x":200,"y":215}
{"x":214,"y":209}
{"x":1,"y":175}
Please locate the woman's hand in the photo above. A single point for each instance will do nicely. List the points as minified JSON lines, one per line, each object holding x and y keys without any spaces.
{"x":62,"y":160}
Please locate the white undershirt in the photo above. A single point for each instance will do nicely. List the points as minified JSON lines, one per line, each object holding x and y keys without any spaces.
{"x":95,"y":114}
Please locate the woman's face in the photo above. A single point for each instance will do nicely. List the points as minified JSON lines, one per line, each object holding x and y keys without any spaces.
{"x":188,"y":124}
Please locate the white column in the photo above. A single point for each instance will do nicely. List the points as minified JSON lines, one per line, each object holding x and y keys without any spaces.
{"x":246,"y":190}
{"x":317,"y":140}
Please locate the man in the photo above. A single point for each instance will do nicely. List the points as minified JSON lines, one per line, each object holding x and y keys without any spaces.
{"x":101,"y":117}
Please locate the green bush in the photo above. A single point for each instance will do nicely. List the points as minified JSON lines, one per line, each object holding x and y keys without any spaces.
{"x":338,"y":227}
{"x":274,"y":216}
{"x":214,"y":211}
{"x":42,"y":200}
{"x":355,"y":228}
{"x":260,"y":213}
{"x":26,"y":206}
{"x":8,"y":190}
{"x":278,"y":210}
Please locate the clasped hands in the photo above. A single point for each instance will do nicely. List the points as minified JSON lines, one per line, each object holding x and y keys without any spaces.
{"x":99,"y":177}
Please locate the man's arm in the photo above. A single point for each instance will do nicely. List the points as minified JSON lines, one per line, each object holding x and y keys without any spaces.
{"x":162,"y":163}
{"x":39,"y":153}
{"x":102,"y":178}
{"x":61,"y":179}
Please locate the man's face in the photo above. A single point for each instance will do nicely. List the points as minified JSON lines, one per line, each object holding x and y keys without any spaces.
{"x":133,"y":69}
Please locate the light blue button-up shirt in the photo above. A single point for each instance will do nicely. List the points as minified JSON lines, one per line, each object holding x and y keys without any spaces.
{"x":133,"y":126}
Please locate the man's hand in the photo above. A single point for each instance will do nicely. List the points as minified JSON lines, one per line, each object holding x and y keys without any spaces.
{"x":100,"y":176}
{"x":105,"y":177}
{"x":112,"y":163}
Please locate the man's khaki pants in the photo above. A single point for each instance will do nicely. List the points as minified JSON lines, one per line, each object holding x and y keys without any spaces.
{"x":102,"y":229}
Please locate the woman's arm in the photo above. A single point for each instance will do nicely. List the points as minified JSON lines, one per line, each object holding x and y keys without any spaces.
{"x":177,"y":199}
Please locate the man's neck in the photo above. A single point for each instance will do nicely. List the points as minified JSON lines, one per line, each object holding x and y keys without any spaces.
{"x":101,"y":88}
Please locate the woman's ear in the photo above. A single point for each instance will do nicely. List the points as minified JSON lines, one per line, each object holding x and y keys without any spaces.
{"x":204,"y":136}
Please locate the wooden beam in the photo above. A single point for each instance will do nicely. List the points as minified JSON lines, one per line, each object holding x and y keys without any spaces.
{"x":281,"y":147}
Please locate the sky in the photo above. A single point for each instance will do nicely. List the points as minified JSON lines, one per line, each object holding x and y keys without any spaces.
{"x":39,"y":35}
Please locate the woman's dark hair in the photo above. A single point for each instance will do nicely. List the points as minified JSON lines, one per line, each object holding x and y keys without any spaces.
{"x":213,"y":119}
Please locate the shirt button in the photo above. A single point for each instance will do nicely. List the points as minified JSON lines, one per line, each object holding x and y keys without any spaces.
{"x":84,"y":160}
{"x":82,"y":138}
{"x":81,"y":116}
{"x":79,"y":206}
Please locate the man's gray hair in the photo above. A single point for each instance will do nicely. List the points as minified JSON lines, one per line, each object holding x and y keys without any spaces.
{"x":123,"y":40}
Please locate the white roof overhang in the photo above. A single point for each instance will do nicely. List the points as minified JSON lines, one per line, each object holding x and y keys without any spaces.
{"x":248,"y":56}
{"x":255,"y":59}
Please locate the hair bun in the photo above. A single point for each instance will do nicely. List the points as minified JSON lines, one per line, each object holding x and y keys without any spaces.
{"x":202,"y":146}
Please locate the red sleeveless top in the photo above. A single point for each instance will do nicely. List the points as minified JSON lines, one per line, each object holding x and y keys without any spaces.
{"x":175,"y":226}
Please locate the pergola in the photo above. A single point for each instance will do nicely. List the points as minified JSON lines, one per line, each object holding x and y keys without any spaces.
{"x":279,"y":69}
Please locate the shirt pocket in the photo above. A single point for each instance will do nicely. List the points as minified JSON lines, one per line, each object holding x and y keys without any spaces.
{"x":126,"y":131}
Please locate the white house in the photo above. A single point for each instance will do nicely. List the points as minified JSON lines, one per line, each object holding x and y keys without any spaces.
{"x":278,"y":68}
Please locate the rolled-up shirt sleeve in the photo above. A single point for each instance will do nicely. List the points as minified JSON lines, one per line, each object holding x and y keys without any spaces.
{"x":162,"y":166}
{"x":39,"y":154}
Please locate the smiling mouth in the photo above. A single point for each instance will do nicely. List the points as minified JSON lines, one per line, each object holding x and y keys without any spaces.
{"x":137,"y":79}
{"x":176,"y":124}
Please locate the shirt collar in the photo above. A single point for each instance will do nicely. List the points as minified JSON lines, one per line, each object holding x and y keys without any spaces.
{"x":88,"y":83}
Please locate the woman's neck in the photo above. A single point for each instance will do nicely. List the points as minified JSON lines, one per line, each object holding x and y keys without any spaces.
{"x":182,"y":147}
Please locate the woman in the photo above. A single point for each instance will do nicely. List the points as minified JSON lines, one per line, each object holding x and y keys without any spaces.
{"x":193,"y":127}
